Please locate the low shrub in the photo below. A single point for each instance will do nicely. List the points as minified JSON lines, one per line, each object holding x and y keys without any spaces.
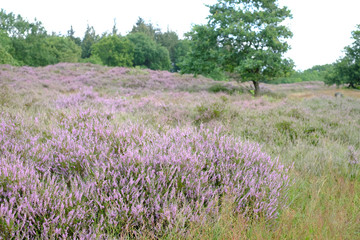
{"x":91,"y":179}
{"x":206,"y":112}
{"x":225,"y":88}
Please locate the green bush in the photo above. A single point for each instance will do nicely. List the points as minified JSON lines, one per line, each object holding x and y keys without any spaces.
{"x":220,"y":87}
{"x":207,"y":112}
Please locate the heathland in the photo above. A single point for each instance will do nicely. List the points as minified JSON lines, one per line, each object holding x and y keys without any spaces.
{"x":89,"y":151}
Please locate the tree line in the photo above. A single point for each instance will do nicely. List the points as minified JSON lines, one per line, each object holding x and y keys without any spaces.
{"x":243,"y":40}
{"x":28,"y":43}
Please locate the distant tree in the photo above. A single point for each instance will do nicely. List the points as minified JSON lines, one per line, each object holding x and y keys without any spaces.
{"x":114,"y":29}
{"x":315,"y":73}
{"x":71,"y":36}
{"x":27,"y":43}
{"x":5,"y":49}
{"x":27,"y":39}
{"x":6,"y":58}
{"x":180,"y":51}
{"x":169,"y":40}
{"x":148,"y":53}
{"x":114,"y":51}
{"x":347,"y":69}
{"x":89,"y":39}
{"x":63,"y":49}
{"x":17,"y":27}
{"x":147,"y":28}
{"x":161,"y":59}
{"x":244,"y":37}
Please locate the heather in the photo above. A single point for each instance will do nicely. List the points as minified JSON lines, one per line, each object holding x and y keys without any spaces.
{"x":96,"y":152}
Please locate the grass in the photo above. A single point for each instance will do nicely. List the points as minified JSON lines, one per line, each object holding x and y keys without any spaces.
{"x":303,"y":124}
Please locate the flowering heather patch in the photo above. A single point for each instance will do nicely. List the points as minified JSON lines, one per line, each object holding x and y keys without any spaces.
{"x":88,"y":178}
{"x":70,"y":76}
{"x":142,"y":162}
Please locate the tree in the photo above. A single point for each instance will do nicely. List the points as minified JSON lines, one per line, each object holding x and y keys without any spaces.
{"x":114,"y":29}
{"x":346,"y":70}
{"x":17,"y":27}
{"x":27,"y":40}
{"x":244,"y":37}
{"x":315,"y":73}
{"x":71,"y":36}
{"x":205,"y":55}
{"x":5,"y":49}
{"x":114,"y":51}
{"x":148,"y":53}
{"x":169,"y":40}
{"x":181,"y":50}
{"x":63,"y":49}
{"x":147,"y":28}
{"x":89,"y":39}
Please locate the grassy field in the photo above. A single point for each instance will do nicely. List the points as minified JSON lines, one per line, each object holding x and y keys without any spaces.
{"x":61,"y":127}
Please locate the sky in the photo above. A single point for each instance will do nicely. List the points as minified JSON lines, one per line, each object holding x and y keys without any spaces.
{"x":321,"y":28}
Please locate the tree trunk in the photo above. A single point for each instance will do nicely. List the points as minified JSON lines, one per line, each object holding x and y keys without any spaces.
{"x":257,"y":88}
{"x":351,"y":85}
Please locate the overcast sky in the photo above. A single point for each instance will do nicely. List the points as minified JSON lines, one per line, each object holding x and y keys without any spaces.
{"x":322,"y":28}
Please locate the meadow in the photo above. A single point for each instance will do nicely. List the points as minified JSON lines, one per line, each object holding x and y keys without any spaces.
{"x":93,"y":152}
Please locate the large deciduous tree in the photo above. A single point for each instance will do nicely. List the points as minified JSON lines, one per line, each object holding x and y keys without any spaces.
{"x":347,"y":69}
{"x":243,"y":37}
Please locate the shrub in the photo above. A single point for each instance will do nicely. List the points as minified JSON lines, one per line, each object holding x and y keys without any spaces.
{"x":286,"y":128}
{"x":208,"y":112}
{"x":90,"y":179}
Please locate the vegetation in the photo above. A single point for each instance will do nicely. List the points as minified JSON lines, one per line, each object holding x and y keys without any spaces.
{"x":224,"y":49}
{"x":25,"y":43}
{"x":316,"y":73}
{"x":114,"y":51}
{"x":215,"y":163}
{"x":96,"y":142}
{"x":242,"y":37}
{"x":149,"y":54}
{"x":347,"y":69}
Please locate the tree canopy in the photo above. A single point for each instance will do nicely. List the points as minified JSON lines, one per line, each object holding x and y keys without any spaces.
{"x":245,"y":37}
{"x":27,"y":43}
{"x":114,"y":51}
{"x":347,"y":69}
{"x":148,"y":53}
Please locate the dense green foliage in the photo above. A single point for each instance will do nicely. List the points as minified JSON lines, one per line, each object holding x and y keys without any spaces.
{"x":316,"y":73}
{"x":347,"y":69}
{"x":176,"y":47}
{"x":204,"y":56}
{"x":89,"y":39}
{"x":114,"y":51}
{"x":63,"y":49}
{"x":148,"y":53}
{"x":26,"y":43}
{"x":242,"y":37}
{"x":5,"y":48}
